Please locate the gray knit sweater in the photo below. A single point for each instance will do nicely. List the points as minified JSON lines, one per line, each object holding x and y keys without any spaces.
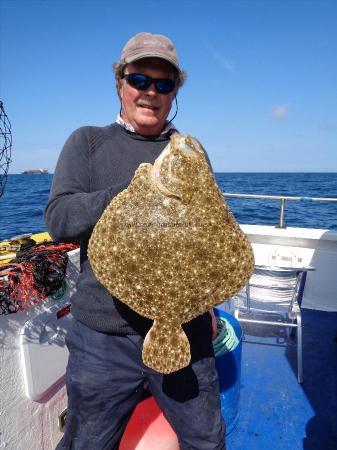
{"x":96,"y":163}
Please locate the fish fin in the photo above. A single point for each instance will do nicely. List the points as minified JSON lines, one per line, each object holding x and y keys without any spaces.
{"x":166,"y":349}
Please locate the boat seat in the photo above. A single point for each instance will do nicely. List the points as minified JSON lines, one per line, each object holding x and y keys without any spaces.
{"x":273,"y":296}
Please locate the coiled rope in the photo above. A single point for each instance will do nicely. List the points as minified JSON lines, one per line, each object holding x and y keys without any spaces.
{"x":226,"y":339}
{"x":33,"y":275}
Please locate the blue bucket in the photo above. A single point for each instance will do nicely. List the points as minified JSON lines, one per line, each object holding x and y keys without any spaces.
{"x":228,"y":366}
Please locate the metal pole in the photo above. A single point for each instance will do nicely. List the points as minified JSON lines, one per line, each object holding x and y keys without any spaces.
{"x":282,"y":207}
{"x":282,"y":199}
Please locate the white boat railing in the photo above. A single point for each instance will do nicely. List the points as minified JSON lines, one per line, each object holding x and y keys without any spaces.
{"x":282,"y":199}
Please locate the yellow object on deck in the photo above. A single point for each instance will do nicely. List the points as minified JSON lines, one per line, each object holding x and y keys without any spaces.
{"x":10,"y":248}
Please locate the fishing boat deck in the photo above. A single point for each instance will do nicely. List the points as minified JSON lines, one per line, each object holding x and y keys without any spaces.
{"x":275,"y":411}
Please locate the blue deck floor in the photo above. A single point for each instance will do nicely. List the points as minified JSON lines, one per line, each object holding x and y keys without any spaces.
{"x":276,"y":412}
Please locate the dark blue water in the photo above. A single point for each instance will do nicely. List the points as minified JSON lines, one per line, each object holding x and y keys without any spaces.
{"x":21,"y":206}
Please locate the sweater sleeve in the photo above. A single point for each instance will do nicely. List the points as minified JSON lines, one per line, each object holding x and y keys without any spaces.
{"x":72,"y":210}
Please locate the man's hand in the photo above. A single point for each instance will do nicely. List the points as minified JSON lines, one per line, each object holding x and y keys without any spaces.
{"x":214,"y":329}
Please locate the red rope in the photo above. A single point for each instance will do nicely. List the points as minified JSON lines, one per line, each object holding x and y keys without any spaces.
{"x":36,"y":273}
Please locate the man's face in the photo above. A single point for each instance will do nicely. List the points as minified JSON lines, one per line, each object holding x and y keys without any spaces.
{"x":146,"y":110}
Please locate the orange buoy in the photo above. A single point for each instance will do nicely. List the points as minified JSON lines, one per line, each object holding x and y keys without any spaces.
{"x":148,"y":429}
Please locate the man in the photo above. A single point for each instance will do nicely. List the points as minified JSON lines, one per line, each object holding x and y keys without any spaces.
{"x":105,"y":374}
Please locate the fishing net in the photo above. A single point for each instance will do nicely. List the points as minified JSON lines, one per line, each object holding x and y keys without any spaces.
{"x":33,"y":275}
{"x":5,"y":147}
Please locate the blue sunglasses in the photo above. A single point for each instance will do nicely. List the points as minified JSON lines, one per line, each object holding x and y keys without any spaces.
{"x":143,"y":82}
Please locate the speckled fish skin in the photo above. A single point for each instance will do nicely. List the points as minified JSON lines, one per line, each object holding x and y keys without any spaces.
{"x":169,"y":247}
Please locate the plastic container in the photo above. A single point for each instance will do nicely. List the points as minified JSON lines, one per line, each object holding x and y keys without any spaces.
{"x":228,"y":366}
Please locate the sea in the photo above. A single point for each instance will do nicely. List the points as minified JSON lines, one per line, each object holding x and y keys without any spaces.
{"x":25,"y":196}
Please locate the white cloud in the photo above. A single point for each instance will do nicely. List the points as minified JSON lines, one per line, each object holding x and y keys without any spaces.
{"x":328,"y":126}
{"x":279,"y":112}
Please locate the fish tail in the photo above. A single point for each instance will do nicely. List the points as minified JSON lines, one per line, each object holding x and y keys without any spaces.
{"x":166,"y":349}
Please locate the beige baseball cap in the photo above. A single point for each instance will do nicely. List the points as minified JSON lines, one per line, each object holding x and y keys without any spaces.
{"x":148,"y":45}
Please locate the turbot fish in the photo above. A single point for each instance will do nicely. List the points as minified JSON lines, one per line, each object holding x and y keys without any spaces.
{"x":169,"y":247}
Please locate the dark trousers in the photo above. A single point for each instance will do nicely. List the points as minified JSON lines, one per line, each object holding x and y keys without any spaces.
{"x":105,"y":380}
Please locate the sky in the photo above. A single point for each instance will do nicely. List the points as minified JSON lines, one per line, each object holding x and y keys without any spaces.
{"x":260,"y":95}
